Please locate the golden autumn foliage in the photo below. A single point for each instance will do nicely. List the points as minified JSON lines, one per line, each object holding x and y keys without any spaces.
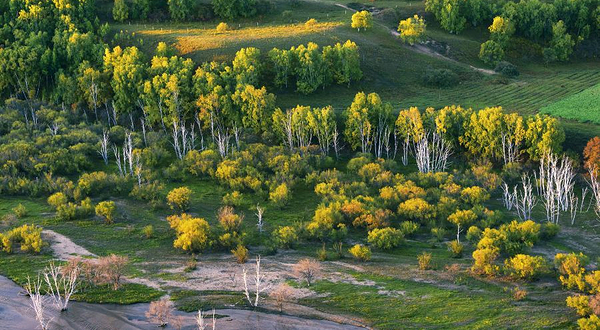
{"x":192,"y":233}
{"x":412,"y":29}
{"x":362,"y":19}
{"x":525,"y":266}
{"x":28,"y":236}
{"x":179,"y":199}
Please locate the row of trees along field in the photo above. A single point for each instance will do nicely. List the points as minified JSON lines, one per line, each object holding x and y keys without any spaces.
{"x":55,"y":52}
{"x":187,"y":10}
{"x":550,"y":29}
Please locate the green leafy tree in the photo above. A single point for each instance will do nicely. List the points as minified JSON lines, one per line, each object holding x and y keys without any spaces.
{"x":180,"y":10}
{"x":409,"y":125}
{"x":93,"y":86}
{"x":501,"y":30}
{"x":452,"y":17}
{"x":483,"y":133}
{"x":120,"y":11}
{"x":343,"y":62}
{"x":366,"y":118}
{"x":230,"y":9}
{"x":168,"y":93}
{"x":141,"y":9}
{"x":257,"y":106}
{"x":322,"y":123}
{"x":561,"y":45}
{"x":491,"y":52}
{"x":311,"y":69}
{"x":126,"y":68}
{"x":281,"y":61}
{"x":247,"y":66}
{"x":544,"y":135}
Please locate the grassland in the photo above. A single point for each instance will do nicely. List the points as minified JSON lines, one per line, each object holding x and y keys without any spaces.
{"x":583,"y":106}
{"x":462,"y":302}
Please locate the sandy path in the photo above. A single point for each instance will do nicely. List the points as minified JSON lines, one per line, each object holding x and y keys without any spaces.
{"x":423,"y":49}
{"x":63,"y":247}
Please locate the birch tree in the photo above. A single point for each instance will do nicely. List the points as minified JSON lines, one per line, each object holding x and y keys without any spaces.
{"x":555,"y":182}
{"x":322,"y":123}
{"x":38,"y":302}
{"x":432,"y":153}
{"x":368,"y":123}
{"x":104,"y":141}
{"x":259,"y":286}
{"x":524,"y":199}
{"x":409,"y":128}
{"x":61,"y":284}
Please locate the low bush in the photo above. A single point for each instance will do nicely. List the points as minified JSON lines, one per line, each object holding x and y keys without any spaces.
{"x":192,"y":233}
{"x":474,"y":234}
{"x":408,"y":227}
{"x":385,"y":238}
{"x":484,"y":261}
{"x":29,"y":237}
{"x":222,"y":27}
{"x":456,"y":249}
{"x":360,"y":252}
{"x":106,"y":210}
{"x":525,"y":267}
{"x":20,"y":211}
{"x":241,"y":254}
{"x":148,"y":231}
{"x":440,"y":78}
{"x":285,"y":236}
{"x":507,"y":69}
{"x":424,"y":261}
{"x":179,"y":199}
{"x":549,"y":231}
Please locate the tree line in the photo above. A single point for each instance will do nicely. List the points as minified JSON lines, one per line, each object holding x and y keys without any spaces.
{"x":187,"y":10}
{"x":557,"y":26}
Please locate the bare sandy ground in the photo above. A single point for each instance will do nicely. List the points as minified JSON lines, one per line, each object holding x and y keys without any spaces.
{"x":15,"y":314}
{"x":222,"y":274}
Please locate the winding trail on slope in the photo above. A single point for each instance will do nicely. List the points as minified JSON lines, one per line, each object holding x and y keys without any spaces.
{"x":423,"y":49}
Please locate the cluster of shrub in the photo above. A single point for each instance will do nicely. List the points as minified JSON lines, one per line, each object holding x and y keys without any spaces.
{"x":28,"y":237}
{"x":575,"y":277}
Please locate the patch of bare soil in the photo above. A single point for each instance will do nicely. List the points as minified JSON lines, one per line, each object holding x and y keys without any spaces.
{"x":223,"y":274}
{"x":63,"y":247}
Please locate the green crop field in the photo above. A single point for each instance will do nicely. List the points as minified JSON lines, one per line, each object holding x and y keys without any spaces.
{"x":583,"y":106}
